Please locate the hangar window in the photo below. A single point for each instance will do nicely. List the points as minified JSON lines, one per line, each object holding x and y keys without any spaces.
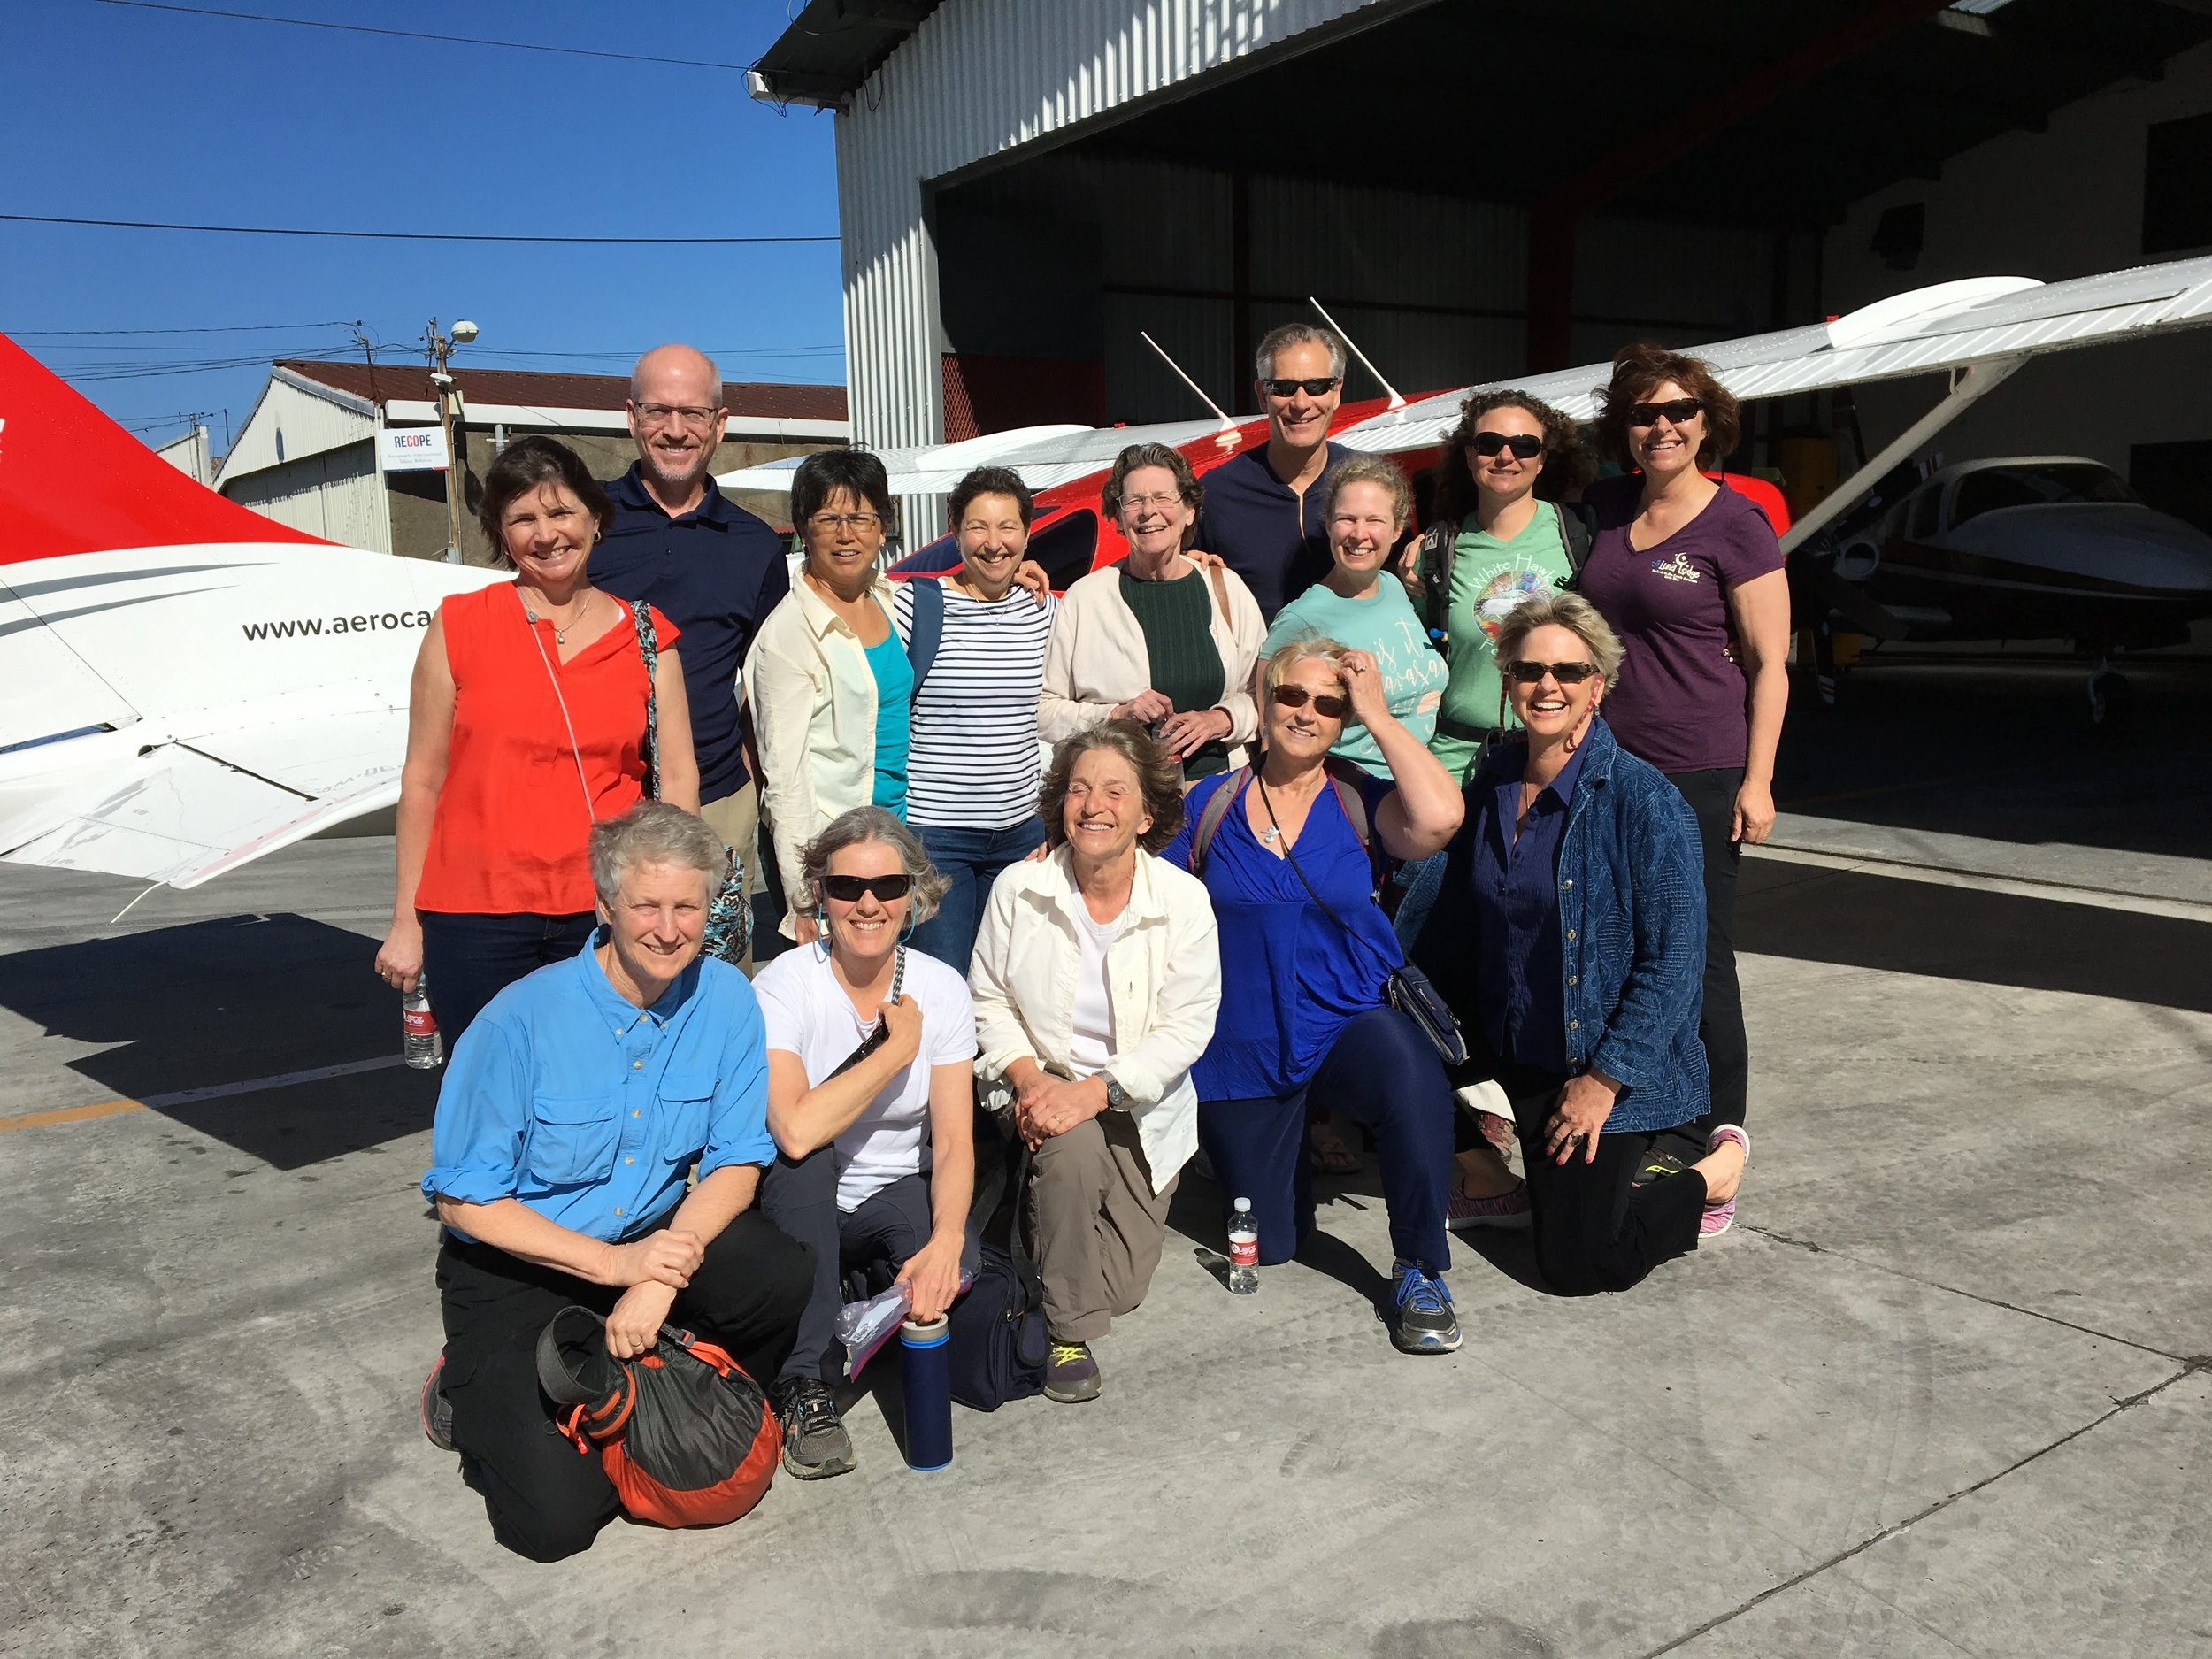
{"x":2177,"y":185}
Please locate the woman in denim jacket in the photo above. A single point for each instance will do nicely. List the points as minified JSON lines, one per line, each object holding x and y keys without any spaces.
{"x":1577,"y":878}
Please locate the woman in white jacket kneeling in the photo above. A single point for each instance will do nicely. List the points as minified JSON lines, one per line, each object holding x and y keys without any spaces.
{"x":1096,"y":977}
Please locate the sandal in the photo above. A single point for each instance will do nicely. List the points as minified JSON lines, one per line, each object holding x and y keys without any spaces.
{"x":1329,"y":1154}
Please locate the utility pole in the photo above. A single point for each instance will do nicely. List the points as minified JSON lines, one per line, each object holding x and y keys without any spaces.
{"x":439,"y":349}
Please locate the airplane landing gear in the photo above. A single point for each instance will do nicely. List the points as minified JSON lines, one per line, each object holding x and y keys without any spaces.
{"x":2111,"y":698}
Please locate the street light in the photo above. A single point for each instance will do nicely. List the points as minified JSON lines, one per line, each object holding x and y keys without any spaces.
{"x":439,"y":349}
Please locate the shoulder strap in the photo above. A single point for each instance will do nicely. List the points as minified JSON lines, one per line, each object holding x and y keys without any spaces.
{"x":928,"y":627}
{"x":1435,"y":565}
{"x":1574,"y":531}
{"x":649,"y":647}
{"x":1221,"y":591}
{"x":1210,"y":817}
{"x":1346,"y":779}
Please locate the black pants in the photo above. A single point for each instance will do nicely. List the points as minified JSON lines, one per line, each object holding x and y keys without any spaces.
{"x":545,"y":1499}
{"x":863,"y":1248}
{"x":1594,"y":1230}
{"x":469,"y":959}
{"x":1712,"y":797}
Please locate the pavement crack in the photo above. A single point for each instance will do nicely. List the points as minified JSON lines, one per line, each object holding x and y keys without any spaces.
{"x":2188,"y":1368}
{"x":1815,"y":1247}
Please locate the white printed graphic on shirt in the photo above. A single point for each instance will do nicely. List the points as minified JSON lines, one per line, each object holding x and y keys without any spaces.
{"x":1677,"y":569}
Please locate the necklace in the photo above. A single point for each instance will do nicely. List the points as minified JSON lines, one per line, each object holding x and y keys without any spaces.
{"x":560,"y":633}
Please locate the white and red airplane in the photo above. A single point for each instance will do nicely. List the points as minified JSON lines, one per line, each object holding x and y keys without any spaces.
{"x":185,"y":685}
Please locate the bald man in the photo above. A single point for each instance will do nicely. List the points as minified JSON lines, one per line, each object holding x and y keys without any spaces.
{"x":714,"y":569}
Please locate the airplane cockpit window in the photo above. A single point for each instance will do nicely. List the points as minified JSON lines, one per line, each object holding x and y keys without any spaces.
{"x":1067,"y":548}
{"x":2035,"y":487}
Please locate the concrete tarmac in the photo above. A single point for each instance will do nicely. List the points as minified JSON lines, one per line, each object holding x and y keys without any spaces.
{"x":1942,"y":1392}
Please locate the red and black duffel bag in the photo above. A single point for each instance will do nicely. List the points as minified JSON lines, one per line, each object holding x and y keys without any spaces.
{"x":684,"y":1435}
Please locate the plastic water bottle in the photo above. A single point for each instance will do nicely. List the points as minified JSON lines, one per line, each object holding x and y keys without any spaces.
{"x":1244,"y":1250}
{"x":420,"y":1043}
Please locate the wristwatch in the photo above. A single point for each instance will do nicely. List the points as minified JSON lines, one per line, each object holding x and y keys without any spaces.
{"x":1117,"y":1098}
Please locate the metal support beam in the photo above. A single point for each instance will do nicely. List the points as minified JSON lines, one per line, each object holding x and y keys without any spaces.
{"x":1968,"y":386}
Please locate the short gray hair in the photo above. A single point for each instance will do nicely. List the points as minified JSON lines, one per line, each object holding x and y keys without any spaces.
{"x":653,"y":833}
{"x":866,"y":823}
{"x":1570,"y":611}
{"x":1281,"y":340}
{"x":1307,"y":647}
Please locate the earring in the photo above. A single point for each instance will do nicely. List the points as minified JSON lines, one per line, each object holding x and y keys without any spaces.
{"x":821,"y":933}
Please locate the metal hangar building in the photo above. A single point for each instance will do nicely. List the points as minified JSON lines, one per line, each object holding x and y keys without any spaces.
{"x":1476,"y":189}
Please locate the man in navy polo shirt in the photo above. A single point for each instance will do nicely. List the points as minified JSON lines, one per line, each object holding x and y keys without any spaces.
{"x":714,"y":569}
{"x":1263,"y":513}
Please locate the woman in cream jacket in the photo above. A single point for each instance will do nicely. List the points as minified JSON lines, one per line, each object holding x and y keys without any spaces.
{"x":1096,"y":977}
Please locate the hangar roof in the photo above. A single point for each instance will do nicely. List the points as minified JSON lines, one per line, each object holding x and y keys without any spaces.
{"x":827,"y":53}
{"x":411,"y":382}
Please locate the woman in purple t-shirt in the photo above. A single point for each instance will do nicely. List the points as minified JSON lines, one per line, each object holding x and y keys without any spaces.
{"x":1689,"y":573}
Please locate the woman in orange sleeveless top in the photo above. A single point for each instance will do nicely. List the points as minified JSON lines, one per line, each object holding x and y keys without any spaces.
{"x":525,"y":725}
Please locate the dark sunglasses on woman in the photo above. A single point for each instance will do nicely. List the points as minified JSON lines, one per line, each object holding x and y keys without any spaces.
{"x":847,"y":889}
{"x":1525,"y":673}
{"x":1317,"y":386}
{"x":1327,"y":707}
{"x":1525,"y":446}
{"x":1679,"y":410}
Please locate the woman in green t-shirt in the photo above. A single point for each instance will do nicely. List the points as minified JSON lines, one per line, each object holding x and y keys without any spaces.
{"x":1506,"y":467}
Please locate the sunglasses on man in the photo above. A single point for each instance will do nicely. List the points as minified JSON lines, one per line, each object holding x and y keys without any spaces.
{"x":847,"y":889}
{"x":1318,"y":387}
{"x":1525,"y":673}
{"x":1327,"y":707}
{"x":1678,"y":411}
{"x":1525,"y":446}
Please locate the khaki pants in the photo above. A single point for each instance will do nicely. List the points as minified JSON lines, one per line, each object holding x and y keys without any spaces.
{"x":1098,"y":1225}
{"x":736,"y":819}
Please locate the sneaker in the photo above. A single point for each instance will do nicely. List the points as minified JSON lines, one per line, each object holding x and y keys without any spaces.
{"x":1509,"y":1208}
{"x":815,"y":1444}
{"x":1426,"y":1323}
{"x":1071,"y":1373}
{"x":1656,"y":1166}
{"x":1719,"y":1218}
{"x":437,"y":1410}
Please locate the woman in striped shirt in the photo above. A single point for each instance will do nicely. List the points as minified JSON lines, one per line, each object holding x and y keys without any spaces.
{"x":973,"y":763}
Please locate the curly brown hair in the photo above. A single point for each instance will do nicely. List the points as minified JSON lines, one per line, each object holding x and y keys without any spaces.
{"x":1142,"y":454}
{"x":1640,"y":369}
{"x":1567,"y":465}
{"x":1160,"y":780}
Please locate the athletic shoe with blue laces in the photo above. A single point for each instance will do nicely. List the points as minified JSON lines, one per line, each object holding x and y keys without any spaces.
{"x":1426,"y":1323}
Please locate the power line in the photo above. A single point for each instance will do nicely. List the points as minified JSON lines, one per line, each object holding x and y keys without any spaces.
{"x":405,"y":235}
{"x":226,"y":328}
{"x":416,"y":34}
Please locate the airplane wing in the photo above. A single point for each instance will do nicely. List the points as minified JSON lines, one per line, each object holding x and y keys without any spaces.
{"x":1948,"y":327}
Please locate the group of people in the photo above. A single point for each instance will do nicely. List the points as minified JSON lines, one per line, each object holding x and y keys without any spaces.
{"x":1287,"y":831}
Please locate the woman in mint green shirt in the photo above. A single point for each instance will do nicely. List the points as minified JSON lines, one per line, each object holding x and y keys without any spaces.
{"x":1506,"y":546}
{"x":1364,"y":511}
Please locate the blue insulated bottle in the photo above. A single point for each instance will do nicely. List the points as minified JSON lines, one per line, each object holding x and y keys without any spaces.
{"x":926,"y":1363}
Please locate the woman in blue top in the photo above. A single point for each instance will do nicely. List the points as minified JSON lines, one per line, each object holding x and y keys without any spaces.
{"x":1305,"y":957}
{"x":1578,"y":879}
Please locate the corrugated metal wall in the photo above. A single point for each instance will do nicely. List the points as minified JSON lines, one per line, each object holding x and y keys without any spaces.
{"x":290,"y":423}
{"x":333,"y":495}
{"x":1024,"y":70}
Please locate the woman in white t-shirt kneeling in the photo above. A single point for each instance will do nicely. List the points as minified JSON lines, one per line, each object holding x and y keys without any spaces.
{"x":871,"y":1098}
{"x":1096,"y":979}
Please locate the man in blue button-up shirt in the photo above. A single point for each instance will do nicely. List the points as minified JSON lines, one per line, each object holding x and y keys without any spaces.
{"x":578,"y":1103}
{"x":713,"y":569}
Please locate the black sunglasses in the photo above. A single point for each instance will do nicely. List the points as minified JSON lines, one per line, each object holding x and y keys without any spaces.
{"x":1327,"y":707}
{"x":1315,"y":387}
{"x":847,"y":889}
{"x":1526,"y":674}
{"x":1680,"y":411}
{"x":1525,"y":446}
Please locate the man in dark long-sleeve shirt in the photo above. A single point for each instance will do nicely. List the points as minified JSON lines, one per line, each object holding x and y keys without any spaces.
{"x":713,"y":569}
{"x":1264,"y":509}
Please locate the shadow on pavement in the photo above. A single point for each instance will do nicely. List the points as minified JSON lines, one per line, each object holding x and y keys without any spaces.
{"x":212,"y":1003}
{"x":1870,"y":921}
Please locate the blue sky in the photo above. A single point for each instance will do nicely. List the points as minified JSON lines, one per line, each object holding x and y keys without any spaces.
{"x":117,"y":112}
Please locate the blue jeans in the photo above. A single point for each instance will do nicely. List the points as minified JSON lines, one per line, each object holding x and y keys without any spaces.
{"x":471,"y":958}
{"x":1382,"y":1072}
{"x":970,"y":859}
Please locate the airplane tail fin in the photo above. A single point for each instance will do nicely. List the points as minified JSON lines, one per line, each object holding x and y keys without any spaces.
{"x":73,"y":482}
